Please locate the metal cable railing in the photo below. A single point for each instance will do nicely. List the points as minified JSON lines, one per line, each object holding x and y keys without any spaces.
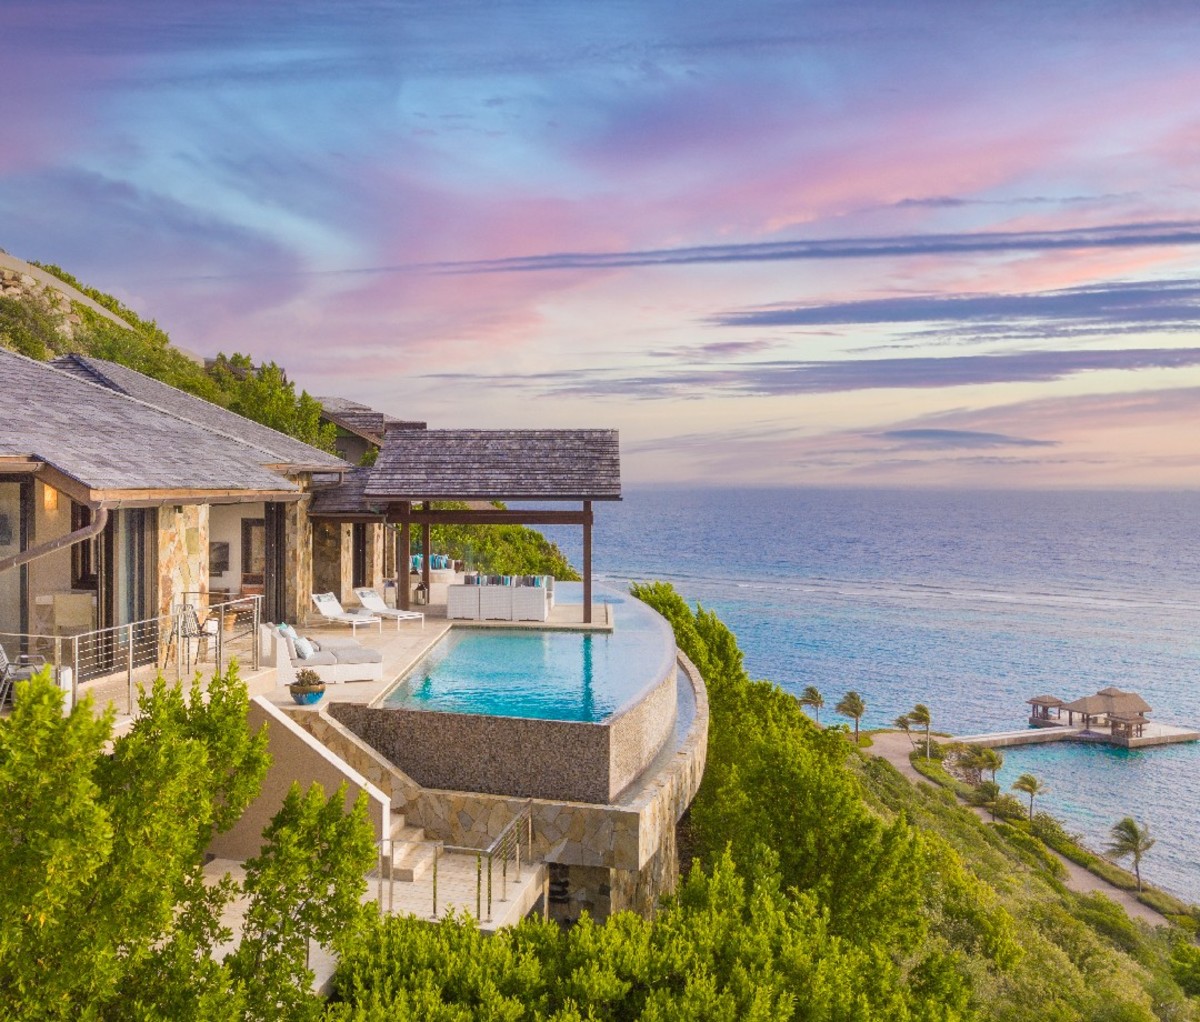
{"x":114,"y":660}
{"x":506,"y":847}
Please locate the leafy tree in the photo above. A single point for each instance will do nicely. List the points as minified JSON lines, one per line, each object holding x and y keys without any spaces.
{"x":264,"y":393}
{"x":852,"y":705}
{"x":305,"y":886}
{"x":904,"y":723}
{"x":1031,"y":786}
{"x":1130,"y":840}
{"x":811,"y":696}
{"x":28,"y":326}
{"x":921,"y":717}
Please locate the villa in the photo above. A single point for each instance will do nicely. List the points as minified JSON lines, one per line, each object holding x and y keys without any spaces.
{"x":143,"y":530}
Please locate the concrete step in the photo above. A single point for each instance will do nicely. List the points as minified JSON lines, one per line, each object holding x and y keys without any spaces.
{"x":407,"y":835}
{"x":412,"y":860}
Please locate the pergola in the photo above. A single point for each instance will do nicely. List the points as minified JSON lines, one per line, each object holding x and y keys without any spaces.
{"x":417,"y":468}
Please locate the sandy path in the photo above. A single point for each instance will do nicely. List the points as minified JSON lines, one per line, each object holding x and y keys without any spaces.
{"x":894,"y":746}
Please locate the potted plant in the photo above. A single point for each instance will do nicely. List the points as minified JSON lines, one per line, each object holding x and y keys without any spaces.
{"x":308,"y":688}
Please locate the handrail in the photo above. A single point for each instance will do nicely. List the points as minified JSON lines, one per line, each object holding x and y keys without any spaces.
{"x":505,"y":845}
{"x":109,"y":652}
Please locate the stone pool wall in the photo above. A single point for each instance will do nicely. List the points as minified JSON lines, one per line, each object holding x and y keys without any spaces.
{"x":608,"y":857}
{"x":569,"y":761}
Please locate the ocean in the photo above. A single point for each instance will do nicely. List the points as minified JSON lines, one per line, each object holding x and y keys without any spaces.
{"x":970,"y":602}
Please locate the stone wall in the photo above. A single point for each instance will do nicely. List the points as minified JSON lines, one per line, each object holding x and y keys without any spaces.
{"x":570,"y":761}
{"x":298,"y":576}
{"x":182,"y":556}
{"x":608,"y":857}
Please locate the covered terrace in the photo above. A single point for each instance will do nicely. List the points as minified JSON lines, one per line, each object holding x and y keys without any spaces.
{"x":473,"y":468}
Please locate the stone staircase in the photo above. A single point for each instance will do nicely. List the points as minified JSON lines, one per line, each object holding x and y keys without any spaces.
{"x":412,"y":853}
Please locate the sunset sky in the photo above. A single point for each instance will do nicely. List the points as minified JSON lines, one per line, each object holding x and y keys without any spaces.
{"x":834,"y":243}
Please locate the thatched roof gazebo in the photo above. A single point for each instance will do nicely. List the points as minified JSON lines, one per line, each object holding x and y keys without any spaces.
{"x":1108,"y":703}
{"x":1039,"y":715}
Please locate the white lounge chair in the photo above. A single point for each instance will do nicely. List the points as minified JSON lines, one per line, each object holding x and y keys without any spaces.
{"x":330,"y":608}
{"x":373,"y":603}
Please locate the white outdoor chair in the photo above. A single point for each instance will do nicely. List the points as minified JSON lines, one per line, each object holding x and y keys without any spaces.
{"x":330,"y":608}
{"x":373,"y":603}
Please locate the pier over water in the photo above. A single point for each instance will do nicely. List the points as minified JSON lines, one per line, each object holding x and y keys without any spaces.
{"x":1110,"y":717}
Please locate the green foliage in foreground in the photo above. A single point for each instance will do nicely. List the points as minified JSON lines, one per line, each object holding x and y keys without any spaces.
{"x":104,"y":911}
{"x":729,"y":948}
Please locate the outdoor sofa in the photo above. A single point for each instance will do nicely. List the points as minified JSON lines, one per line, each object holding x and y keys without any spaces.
{"x":334,"y":660}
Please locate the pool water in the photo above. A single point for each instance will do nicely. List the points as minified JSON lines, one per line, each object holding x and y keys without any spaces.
{"x":546,"y":675}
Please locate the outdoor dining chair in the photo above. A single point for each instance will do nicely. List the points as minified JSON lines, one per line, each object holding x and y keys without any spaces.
{"x":24,"y":668}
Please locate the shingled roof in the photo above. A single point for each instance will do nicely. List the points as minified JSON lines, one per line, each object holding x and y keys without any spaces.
{"x":501,"y":464}
{"x":1109,"y":701}
{"x":284,"y":449}
{"x":362,"y":420}
{"x":114,"y":444}
{"x":346,"y":498}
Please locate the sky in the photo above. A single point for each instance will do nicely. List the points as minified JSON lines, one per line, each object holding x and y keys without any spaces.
{"x":835,"y":244}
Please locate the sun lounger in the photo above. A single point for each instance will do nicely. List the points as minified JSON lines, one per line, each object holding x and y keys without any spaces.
{"x":373,"y":603}
{"x":330,"y":608}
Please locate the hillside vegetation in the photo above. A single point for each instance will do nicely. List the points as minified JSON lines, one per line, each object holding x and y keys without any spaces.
{"x":825,"y":887}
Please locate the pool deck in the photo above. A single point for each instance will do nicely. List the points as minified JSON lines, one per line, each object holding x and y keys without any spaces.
{"x":1154,"y":734}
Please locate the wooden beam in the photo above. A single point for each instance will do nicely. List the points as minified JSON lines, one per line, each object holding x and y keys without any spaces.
{"x":492,"y":516}
{"x":587,"y":562}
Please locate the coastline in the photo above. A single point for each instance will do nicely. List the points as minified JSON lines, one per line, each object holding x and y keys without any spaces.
{"x":896,"y":748}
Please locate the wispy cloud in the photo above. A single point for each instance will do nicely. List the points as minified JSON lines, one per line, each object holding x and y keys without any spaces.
{"x":1184,"y":232}
{"x":782,"y":378}
{"x":959,"y":439}
{"x":1161,"y":303}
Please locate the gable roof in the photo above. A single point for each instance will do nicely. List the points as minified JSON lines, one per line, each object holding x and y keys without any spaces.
{"x":497,"y":464}
{"x":285,"y":450}
{"x":362,"y":420}
{"x":117,"y":447}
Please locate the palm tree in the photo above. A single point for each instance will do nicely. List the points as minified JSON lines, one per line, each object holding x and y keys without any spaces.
{"x":1031,"y":786}
{"x":989,"y":791}
{"x":811,"y":696}
{"x":1130,"y":840}
{"x":852,"y":705}
{"x":921,"y":716}
{"x":904,"y":723}
{"x":990,"y":759}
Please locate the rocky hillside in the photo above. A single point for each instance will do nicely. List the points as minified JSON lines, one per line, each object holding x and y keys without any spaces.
{"x":43,"y":296}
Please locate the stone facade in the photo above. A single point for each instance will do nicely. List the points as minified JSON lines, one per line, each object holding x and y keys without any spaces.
{"x":606,"y":857}
{"x":333,"y":559}
{"x":298,"y":586}
{"x":182,"y":556}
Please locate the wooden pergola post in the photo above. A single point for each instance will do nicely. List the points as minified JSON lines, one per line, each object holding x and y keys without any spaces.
{"x":426,"y":553}
{"x":404,"y":594}
{"x":587,"y":562}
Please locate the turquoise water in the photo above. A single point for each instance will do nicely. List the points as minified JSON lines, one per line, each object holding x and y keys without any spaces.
{"x":547,"y":675}
{"x":970,"y":602}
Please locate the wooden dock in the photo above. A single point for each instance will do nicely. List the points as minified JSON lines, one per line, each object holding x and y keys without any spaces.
{"x":1153,"y":734}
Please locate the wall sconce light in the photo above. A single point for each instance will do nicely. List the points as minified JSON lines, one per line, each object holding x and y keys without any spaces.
{"x":49,"y":498}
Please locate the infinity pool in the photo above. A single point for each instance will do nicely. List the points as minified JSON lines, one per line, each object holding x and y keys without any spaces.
{"x":546,"y":675}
